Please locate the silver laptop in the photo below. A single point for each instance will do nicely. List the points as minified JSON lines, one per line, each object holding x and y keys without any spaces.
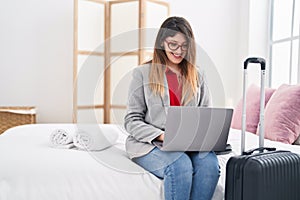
{"x":197,"y":129}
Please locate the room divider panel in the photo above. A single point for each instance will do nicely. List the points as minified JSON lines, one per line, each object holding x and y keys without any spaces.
{"x":110,"y":39}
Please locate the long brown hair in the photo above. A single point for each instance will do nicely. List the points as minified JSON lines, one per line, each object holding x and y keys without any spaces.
{"x":170,"y":28}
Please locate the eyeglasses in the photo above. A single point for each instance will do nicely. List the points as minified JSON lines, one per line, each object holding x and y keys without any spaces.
{"x":174,"y":46}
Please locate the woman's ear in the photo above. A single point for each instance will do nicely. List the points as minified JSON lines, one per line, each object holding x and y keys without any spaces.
{"x":162,"y":45}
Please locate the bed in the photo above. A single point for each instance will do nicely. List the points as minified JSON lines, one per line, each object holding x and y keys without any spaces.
{"x":31,"y":169}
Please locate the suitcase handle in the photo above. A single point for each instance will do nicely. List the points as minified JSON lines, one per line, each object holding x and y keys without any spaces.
{"x":261,"y":61}
{"x":260,"y":149}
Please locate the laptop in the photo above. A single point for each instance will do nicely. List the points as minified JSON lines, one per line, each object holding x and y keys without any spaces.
{"x":197,"y":129}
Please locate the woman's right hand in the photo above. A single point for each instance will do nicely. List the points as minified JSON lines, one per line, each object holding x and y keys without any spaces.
{"x":161,"y":137}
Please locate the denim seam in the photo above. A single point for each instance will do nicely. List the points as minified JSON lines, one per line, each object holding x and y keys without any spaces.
{"x":173,"y":192}
{"x":168,"y":171}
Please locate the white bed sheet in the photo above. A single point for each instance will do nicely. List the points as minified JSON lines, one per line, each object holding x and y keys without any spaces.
{"x":31,"y":169}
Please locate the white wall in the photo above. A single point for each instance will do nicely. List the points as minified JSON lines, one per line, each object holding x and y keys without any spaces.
{"x":36,"y":50}
{"x":258,"y":37}
{"x":36,"y":62}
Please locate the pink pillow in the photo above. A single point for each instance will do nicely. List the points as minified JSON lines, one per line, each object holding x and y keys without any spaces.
{"x":252,"y":108}
{"x":282,"y":114}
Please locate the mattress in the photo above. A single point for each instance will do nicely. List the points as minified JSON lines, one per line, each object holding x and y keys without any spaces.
{"x":31,"y":169}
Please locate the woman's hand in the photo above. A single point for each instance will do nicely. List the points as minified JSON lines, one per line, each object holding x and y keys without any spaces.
{"x":161,"y":137}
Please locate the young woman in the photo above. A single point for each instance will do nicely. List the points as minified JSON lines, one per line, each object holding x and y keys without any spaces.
{"x":170,"y":79}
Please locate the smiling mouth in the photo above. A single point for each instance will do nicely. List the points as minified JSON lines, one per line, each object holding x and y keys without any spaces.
{"x":178,"y":56}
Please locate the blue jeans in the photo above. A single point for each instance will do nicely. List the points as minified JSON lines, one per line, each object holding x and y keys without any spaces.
{"x":187,"y":175}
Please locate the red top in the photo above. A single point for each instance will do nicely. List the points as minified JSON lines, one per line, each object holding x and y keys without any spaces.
{"x":175,"y":90}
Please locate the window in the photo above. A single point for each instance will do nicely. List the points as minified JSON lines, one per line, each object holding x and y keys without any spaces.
{"x":284,"y":42}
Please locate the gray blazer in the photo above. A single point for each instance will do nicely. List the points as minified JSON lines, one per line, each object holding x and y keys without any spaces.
{"x":146,"y":113}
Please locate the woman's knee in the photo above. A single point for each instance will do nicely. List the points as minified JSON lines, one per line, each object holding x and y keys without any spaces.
{"x":207,"y":161}
{"x":181,"y":167}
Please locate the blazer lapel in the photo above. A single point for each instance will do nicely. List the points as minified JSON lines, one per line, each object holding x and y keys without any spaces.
{"x":195,"y":101}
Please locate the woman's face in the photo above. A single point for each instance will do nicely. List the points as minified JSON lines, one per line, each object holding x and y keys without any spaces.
{"x":176,"y":48}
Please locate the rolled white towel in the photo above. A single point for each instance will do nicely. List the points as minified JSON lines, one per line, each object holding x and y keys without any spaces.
{"x":60,"y":138}
{"x":95,"y":138}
